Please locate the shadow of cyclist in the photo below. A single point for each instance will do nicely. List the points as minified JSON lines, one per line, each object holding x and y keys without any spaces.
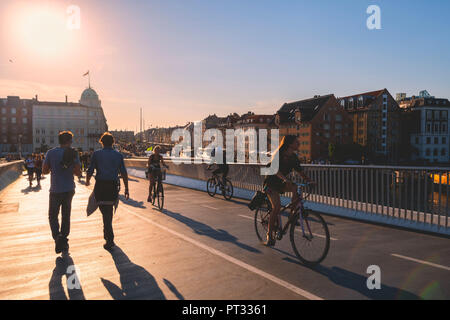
{"x":356,"y":282}
{"x":203,"y":229}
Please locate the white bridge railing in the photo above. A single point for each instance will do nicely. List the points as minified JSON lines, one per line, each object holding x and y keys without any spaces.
{"x":413,"y":197}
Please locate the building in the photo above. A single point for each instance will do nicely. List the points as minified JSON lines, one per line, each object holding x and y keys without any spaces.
{"x":16,"y":125}
{"x":426,"y":122}
{"x":376,"y":123}
{"x":84,"y":119}
{"x":123,"y":136}
{"x":251,"y":121}
{"x":320,"y":123}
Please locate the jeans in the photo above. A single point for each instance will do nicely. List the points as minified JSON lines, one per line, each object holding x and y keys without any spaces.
{"x":57,"y":200}
{"x":107,"y":213}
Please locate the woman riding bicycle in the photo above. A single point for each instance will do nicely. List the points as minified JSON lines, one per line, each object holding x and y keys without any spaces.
{"x":278,"y":183}
{"x":154,"y":169}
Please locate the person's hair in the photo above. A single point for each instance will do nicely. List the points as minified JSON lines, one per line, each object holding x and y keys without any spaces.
{"x":65,"y":137}
{"x":157,"y":147}
{"x":286,"y":141}
{"x":107,"y":139}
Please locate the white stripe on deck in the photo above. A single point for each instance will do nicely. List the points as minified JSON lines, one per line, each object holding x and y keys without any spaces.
{"x":235,"y":261}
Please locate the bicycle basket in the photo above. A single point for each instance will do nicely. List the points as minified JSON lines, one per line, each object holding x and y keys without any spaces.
{"x":257,"y":200}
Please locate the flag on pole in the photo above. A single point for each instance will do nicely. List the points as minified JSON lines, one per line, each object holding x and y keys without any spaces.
{"x":86,"y":74}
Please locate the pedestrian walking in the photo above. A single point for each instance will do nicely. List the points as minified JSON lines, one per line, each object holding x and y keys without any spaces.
{"x":63,"y":163}
{"x":38,"y":161}
{"x":107,"y":163}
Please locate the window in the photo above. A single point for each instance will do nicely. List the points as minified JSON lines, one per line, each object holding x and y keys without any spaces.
{"x":436,"y":140}
{"x":435,"y":152}
{"x":338,"y":118}
{"x":428,"y":140}
{"x":436,"y":127}
{"x":13,"y":120}
{"x":24,"y":111}
{"x":24,"y":120}
{"x":417,"y":140}
{"x":427,"y":152}
{"x":444,"y":115}
{"x":326,"y":117}
{"x":13,"y":110}
{"x":436,"y":114}
{"x":444,"y":140}
{"x":429,"y":115}
{"x":3,"y":120}
{"x":3,"y":110}
{"x":443,"y":152}
{"x":444,"y":127}
{"x":428,"y":127}
{"x":37,"y":140}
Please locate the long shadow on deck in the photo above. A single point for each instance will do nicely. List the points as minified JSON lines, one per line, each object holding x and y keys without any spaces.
{"x":205,"y":230}
{"x":135,"y":281}
{"x":65,"y":267}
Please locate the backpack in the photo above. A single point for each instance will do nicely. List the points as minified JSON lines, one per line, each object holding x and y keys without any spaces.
{"x":257,"y":200}
{"x":69,"y":157}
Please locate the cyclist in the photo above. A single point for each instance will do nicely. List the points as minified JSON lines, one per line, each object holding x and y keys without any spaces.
{"x":222,"y":168}
{"x":278,"y":183}
{"x":155,"y":160}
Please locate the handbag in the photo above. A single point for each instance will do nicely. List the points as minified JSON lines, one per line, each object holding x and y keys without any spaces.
{"x":257,"y":200}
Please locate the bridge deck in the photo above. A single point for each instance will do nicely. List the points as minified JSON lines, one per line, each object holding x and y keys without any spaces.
{"x":202,"y":248}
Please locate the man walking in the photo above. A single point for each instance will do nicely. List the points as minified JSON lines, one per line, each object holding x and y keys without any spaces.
{"x":63,"y":163}
{"x":108,"y":163}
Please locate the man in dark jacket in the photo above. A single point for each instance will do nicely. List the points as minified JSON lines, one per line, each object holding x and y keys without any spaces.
{"x":108,"y":163}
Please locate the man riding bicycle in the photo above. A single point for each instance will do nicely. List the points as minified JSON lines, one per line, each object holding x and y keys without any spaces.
{"x":155,"y":160}
{"x":222,"y":168}
{"x":278,"y":183}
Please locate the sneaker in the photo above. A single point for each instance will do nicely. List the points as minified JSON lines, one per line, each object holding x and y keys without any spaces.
{"x":270,"y":242}
{"x":109,"y":245}
{"x":149,"y":199}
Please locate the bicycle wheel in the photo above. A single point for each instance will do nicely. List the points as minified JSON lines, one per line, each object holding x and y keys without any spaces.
{"x":227,"y":190}
{"x":262,"y":215}
{"x":160,"y":194}
{"x":211,"y":187}
{"x":310,"y":246}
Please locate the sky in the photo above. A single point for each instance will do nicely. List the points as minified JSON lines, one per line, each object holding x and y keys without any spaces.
{"x":181,"y":60}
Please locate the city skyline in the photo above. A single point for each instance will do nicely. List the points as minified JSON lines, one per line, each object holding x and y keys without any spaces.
{"x":182,"y":61}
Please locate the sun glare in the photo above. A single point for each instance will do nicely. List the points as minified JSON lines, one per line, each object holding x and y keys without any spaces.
{"x":41,"y":30}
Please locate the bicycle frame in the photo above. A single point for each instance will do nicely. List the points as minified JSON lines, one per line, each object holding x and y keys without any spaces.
{"x":297,"y":210}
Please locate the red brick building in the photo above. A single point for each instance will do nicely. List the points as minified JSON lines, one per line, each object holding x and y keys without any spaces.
{"x":319,"y":122}
{"x":16,"y":128}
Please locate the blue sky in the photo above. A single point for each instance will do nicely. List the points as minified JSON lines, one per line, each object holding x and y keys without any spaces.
{"x":182,"y":60}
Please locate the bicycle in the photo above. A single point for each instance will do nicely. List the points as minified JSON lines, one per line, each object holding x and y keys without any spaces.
{"x":217,"y":182}
{"x":158,"y":189}
{"x":307,"y":228}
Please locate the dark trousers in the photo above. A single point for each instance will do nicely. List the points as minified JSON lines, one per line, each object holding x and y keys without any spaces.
{"x":64,"y":201}
{"x":107,"y":213}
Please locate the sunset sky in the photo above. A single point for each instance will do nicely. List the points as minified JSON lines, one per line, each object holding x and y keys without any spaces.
{"x":182,"y":60}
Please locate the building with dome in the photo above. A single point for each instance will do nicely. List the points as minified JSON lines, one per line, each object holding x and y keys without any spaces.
{"x":84,"y":119}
